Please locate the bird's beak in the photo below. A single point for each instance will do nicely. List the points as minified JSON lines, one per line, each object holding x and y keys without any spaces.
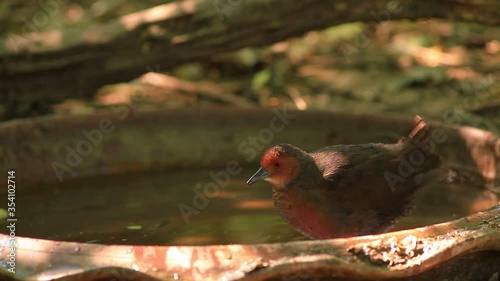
{"x":259,"y":175}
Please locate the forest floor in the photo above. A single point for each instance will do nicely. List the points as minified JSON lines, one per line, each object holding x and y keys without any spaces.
{"x":442,"y":70}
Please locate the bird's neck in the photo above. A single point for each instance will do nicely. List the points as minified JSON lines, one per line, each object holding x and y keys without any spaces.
{"x":310,"y":176}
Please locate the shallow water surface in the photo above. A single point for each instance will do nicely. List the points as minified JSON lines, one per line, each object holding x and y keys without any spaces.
{"x":145,"y":208}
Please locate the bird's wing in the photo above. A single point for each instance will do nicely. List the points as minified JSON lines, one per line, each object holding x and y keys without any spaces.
{"x":367,"y":187}
{"x":343,"y":163}
{"x":356,"y":189}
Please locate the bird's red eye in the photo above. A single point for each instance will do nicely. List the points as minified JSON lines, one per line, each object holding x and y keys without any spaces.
{"x":276,"y":164}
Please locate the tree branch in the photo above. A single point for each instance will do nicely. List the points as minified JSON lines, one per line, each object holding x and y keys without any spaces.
{"x":74,"y":62}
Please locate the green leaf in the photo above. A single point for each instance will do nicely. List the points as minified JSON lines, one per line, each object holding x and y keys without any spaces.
{"x":261,"y":78}
{"x":134,"y":227}
{"x":3,"y":214}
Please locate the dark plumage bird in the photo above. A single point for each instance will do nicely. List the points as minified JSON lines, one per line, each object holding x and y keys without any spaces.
{"x":348,"y":190}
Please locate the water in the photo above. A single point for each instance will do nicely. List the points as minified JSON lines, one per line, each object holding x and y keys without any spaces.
{"x":144,"y":208}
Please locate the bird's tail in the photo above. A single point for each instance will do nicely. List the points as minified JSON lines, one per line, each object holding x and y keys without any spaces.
{"x":420,"y":128}
{"x":420,"y":138}
{"x":419,"y":132}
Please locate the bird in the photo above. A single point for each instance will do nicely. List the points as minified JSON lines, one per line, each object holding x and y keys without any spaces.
{"x":349,"y":190}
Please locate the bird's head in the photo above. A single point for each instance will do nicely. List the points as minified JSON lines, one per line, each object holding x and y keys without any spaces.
{"x":280,"y":165}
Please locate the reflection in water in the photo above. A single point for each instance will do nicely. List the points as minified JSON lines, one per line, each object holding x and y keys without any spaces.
{"x":144,"y":209}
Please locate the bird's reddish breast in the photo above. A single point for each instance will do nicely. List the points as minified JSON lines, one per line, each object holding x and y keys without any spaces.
{"x":303,"y":215}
